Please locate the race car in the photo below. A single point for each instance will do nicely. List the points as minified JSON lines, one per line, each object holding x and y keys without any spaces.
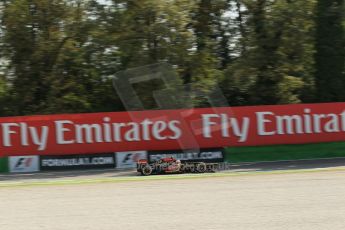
{"x":172,"y":165}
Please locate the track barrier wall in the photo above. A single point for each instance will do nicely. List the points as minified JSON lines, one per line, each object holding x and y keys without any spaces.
{"x":173,"y":129}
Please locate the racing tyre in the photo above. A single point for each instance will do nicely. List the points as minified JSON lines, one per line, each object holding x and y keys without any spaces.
{"x":201,"y":168}
{"x":146,"y":171}
{"x":182,"y":169}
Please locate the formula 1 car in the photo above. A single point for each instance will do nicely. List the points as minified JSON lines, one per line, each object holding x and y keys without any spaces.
{"x":171,"y":165}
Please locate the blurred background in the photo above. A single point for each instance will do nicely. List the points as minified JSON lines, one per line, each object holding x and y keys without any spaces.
{"x":57,"y":56}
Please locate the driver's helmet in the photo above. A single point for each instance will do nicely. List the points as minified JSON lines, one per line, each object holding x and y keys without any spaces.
{"x":178,"y":161}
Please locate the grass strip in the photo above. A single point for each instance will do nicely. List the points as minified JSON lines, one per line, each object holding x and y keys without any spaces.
{"x":285,"y":152}
{"x":3,"y":165}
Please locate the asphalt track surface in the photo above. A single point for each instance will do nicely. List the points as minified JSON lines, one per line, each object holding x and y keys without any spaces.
{"x":266,"y":196}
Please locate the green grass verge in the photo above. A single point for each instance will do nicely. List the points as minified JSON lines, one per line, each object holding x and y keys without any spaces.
{"x":3,"y":165}
{"x":285,"y":152}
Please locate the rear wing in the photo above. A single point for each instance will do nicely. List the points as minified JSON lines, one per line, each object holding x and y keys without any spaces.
{"x":143,"y":161}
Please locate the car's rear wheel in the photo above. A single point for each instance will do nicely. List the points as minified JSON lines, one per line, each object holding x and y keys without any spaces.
{"x":201,"y":168}
{"x":146,"y":171}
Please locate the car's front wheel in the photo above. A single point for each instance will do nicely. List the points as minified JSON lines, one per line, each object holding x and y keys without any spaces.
{"x":146,"y":171}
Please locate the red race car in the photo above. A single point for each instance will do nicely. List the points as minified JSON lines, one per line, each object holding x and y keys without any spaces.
{"x":172,"y":165}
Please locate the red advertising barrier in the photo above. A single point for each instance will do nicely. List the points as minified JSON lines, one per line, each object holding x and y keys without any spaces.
{"x":172,"y":129}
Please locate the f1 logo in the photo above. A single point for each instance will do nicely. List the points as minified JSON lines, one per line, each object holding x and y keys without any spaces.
{"x":23,"y":163}
{"x":127,"y":157}
{"x":131,"y":157}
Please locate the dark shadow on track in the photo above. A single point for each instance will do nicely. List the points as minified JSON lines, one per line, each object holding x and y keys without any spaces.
{"x":71,"y":174}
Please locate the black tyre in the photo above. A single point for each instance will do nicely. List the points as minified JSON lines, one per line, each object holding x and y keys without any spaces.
{"x":146,"y":170}
{"x":182,"y":169}
{"x":201,"y":168}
